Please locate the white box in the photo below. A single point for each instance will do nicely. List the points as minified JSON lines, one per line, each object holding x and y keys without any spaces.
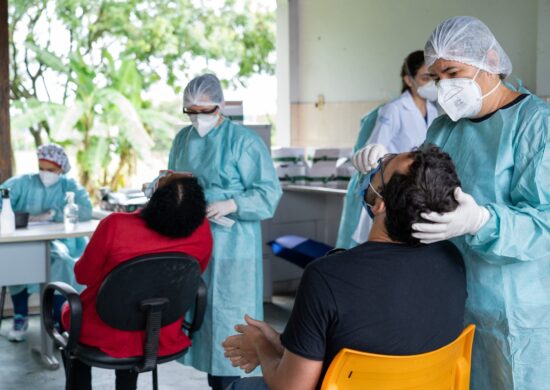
{"x":290,"y":165}
{"x":323,"y":171}
{"x":234,"y":111}
{"x":344,"y":173}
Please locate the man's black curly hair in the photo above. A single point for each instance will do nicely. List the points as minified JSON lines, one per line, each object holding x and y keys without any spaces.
{"x":427,"y":186}
{"x":176,"y":209}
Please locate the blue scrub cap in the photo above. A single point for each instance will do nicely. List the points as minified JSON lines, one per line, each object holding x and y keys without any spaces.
{"x":468,"y":40}
{"x":205,"y":90}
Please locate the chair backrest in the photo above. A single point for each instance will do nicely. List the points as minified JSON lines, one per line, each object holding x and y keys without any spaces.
{"x":171,"y":276}
{"x":447,"y":368}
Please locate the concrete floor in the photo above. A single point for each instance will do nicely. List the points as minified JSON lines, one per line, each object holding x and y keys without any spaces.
{"x":20,"y":368}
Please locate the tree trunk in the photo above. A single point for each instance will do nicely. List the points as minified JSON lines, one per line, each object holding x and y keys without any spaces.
{"x":6,"y":153}
{"x":115,"y":180}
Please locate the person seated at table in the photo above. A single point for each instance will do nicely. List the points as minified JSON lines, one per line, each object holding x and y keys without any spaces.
{"x":174,"y":220}
{"x":43,"y":195}
{"x":390,"y":295}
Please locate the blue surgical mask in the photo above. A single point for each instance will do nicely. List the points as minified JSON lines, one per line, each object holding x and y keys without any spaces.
{"x":364,"y":188}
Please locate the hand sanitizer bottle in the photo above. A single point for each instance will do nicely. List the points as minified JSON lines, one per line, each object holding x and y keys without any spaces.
{"x":70,"y":213}
{"x":7,"y":217}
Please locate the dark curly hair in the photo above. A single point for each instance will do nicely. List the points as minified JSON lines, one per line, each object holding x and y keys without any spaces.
{"x":427,"y":186}
{"x":176,"y":209}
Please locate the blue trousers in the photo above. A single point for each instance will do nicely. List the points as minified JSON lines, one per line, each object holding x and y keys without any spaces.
{"x":21,"y":305}
{"x":253,"y":383}
{"x":220,"y":382}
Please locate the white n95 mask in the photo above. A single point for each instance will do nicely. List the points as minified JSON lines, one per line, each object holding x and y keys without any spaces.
{"x":428,"y":91}
{"x":48,"y":178}
{"x":461,"y":97}
{"x":203,"y":123}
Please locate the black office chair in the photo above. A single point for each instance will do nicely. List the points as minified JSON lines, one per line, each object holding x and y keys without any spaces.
{"x":145,"y":293}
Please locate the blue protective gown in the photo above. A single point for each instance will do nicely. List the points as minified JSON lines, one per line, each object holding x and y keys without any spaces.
{"x":27,"y":193}
{"x":399,"y":126}
{"x":504,"y":162}
{"x":231,"y":161}
{"x":352,"y":202}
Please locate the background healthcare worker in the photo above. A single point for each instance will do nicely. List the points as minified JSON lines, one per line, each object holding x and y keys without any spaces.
{"x":43,"y":195}
{"x":399,"y":125}
{"x":498,"y":139}
{"x":235,"y":169}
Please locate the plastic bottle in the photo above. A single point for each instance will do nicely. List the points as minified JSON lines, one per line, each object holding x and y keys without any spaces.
{"x":7,"y":217}
{"x":70,"y":213}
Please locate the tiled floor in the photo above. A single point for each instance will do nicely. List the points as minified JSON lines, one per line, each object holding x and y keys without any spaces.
{"x":20,"y":368}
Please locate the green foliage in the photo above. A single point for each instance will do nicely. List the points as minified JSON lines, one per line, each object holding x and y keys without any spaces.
{"x":173,"y":32}
{"x":114,"y":51}
{"x":107,"y":122}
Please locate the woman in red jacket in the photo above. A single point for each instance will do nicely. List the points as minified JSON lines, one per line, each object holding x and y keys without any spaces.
{"x":172,"y":221}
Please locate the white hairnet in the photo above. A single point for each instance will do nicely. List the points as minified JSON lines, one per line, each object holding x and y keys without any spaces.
{"x":468,"y":40}
{"x":204,"y":90}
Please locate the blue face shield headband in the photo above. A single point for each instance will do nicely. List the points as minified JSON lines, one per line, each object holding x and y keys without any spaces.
{"x":367,"y":183}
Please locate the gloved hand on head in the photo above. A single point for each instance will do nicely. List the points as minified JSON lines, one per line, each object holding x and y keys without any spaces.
{"x":164,"y":178}
{"x":221,"y":209}
{"x":467,"y":218}
{"x":366,"y":159}
{"x":150,"y":188}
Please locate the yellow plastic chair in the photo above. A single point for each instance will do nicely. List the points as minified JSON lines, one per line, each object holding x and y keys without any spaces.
{"x":447,"y":368}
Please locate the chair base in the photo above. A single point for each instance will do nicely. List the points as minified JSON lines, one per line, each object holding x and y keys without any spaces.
{"x":94,"y":357}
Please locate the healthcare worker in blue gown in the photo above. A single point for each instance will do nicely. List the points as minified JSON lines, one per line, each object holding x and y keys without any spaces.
{"x":43,"y":195}
{"x":499,"y":140}
{"x":234,"y":166}
{"x":399,"y":125}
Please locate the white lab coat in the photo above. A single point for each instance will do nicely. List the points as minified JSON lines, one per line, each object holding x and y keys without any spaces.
{"x":400,"y":127}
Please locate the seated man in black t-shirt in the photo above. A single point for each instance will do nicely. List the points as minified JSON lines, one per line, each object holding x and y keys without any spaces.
{"x":390,"y":295}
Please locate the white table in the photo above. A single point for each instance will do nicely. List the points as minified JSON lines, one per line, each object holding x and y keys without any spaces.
{"x":25,"y":258}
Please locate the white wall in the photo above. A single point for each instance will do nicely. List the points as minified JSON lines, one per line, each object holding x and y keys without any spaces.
{"x":350,"y":51}
{"x":543,"y":49}
{"x":283,"y":73}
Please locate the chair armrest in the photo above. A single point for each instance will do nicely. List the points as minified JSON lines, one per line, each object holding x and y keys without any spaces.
{"x":198,"y":310}
{"x":69,"y":340}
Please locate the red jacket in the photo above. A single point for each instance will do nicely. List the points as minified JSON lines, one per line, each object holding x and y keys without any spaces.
{"x":117,"y":239}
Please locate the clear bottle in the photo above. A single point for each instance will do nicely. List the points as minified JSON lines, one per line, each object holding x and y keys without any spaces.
{"x":7,"y":216}
{"x":70,"y":213}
